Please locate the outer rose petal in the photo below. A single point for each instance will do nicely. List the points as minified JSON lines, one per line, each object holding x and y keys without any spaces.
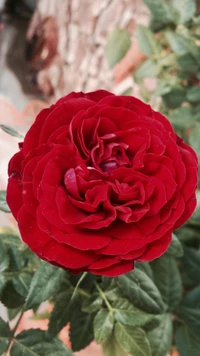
{"x":32,"y":137}
{"x":156,"y":248}
{"x":114,"y":270}
{"x":94,"y":96}
{"x":47,"y":248}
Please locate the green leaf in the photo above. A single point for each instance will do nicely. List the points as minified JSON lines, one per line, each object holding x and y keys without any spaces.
{"x":118,"y":43}
{"x":112,"y":348}
{"x":147,"y":41}
{"x":81,"y":330}
{"x":161,"y":13}
{"x":163,"y":87}
{"x":5,"y":333}
{"x":141,"y":291}
{"x":145,"y":267}
{"x":127,"y":314}
{"x":194,"y":138}
{"x":92,"y":303}
{"x":3,"y":204}
{"x":132,"y":340}
{"x":174,"y":98}
{"x":22,"y":284}
{"x":189,"y":310}
{"x":182,"y":118}
{"x":10,"y":298}
{"x":34,"y":342}
{"x":185,"y":10}
{"x":4,"y":260}
{"x":113,"y":292}
{"x":2,"y":283}
{"x":149,"y":68}
{"x":45,"y":283}
{"x":16,"y":261}
{"x":188,"y":63}
{"x":188,"y":344}
{"x":193,"y":94}
{"x":175,"y":248}
{"x":168,"y":280}
{"x":64,"y":309}
{"x":103,"y":326}
{"x":191,"y":263}
{"x":160,"y":338}
{"x":9,"y":130}
{"x":178,"y":43}
{"x":9,"y":239}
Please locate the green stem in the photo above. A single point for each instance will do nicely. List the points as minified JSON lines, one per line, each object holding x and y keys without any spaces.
{"x":102,"y":294}
{"x":79,"y":290}
{"x":14,"y":331}
{"x":79,"y":282}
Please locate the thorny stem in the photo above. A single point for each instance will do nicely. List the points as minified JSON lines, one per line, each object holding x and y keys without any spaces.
{"x":14,"y":331}
{"x":102,"y":294}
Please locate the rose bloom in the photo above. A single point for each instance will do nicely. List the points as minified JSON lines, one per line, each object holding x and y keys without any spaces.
{"x":101,"y":181}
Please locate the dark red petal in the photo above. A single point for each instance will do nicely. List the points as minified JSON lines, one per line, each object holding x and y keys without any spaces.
{"x":190,"y":206}
{"x":33,"y":135}
{"x":156,"y":248}
{"x":14,"y":195}
{"x":122,"y":247}
{"x":62,"y":115}
{"x":94,"y":96}
{"x":49,"y":249}
{"x":165,"y":122}
{"x":128,"y":102}
{"x":15,"y":165}
{"x":191,"y":180}
{"x":82,"y":240}
{"x":104,"y":262}
{"x":114,"y":270}
{"x":133,"y":255}
{"x":31,"y":234}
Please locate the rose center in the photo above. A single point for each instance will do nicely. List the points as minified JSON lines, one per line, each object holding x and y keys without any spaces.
{"x":109,"y":166}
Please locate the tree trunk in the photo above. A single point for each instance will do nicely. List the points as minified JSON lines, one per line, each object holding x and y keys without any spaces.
{"x":66,"y":40}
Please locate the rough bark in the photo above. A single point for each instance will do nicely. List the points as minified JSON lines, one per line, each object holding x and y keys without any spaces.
{"x":66,"y":40}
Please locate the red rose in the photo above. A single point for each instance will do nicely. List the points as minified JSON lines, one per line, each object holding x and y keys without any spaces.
{"x":99,"y":182}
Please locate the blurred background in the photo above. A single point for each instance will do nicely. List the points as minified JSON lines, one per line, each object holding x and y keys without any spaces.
{"x":146,"y":48}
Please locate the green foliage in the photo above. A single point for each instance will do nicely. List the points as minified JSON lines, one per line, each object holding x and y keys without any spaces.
{"x":168,"y":280}
{"x":81,"y":330}
{"x":5,"y":334}
{"x":160,"y":338}
{"x":127,"y":314}
{"x":149,"y":68}
{"x":132,"y":340}
{"x":111,"y":347}
{"x":175,"y":248}
{"x":103,"y":325}
{"x":189,"y":310}
{"x":45,"y":283}
{"x":118,"y":43}
{"x":63,"y":311}
{"x":141,"y":291}
{"x":3,"y":204}
{"x":35,"y":342}
{"x":9,"y":130}
{"x":187,"y":342}
{"x":148,"y":44}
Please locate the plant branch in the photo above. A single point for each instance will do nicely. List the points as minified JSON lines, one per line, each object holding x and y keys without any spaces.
{"x":14,"y":331}
{"x":102,"y":294}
